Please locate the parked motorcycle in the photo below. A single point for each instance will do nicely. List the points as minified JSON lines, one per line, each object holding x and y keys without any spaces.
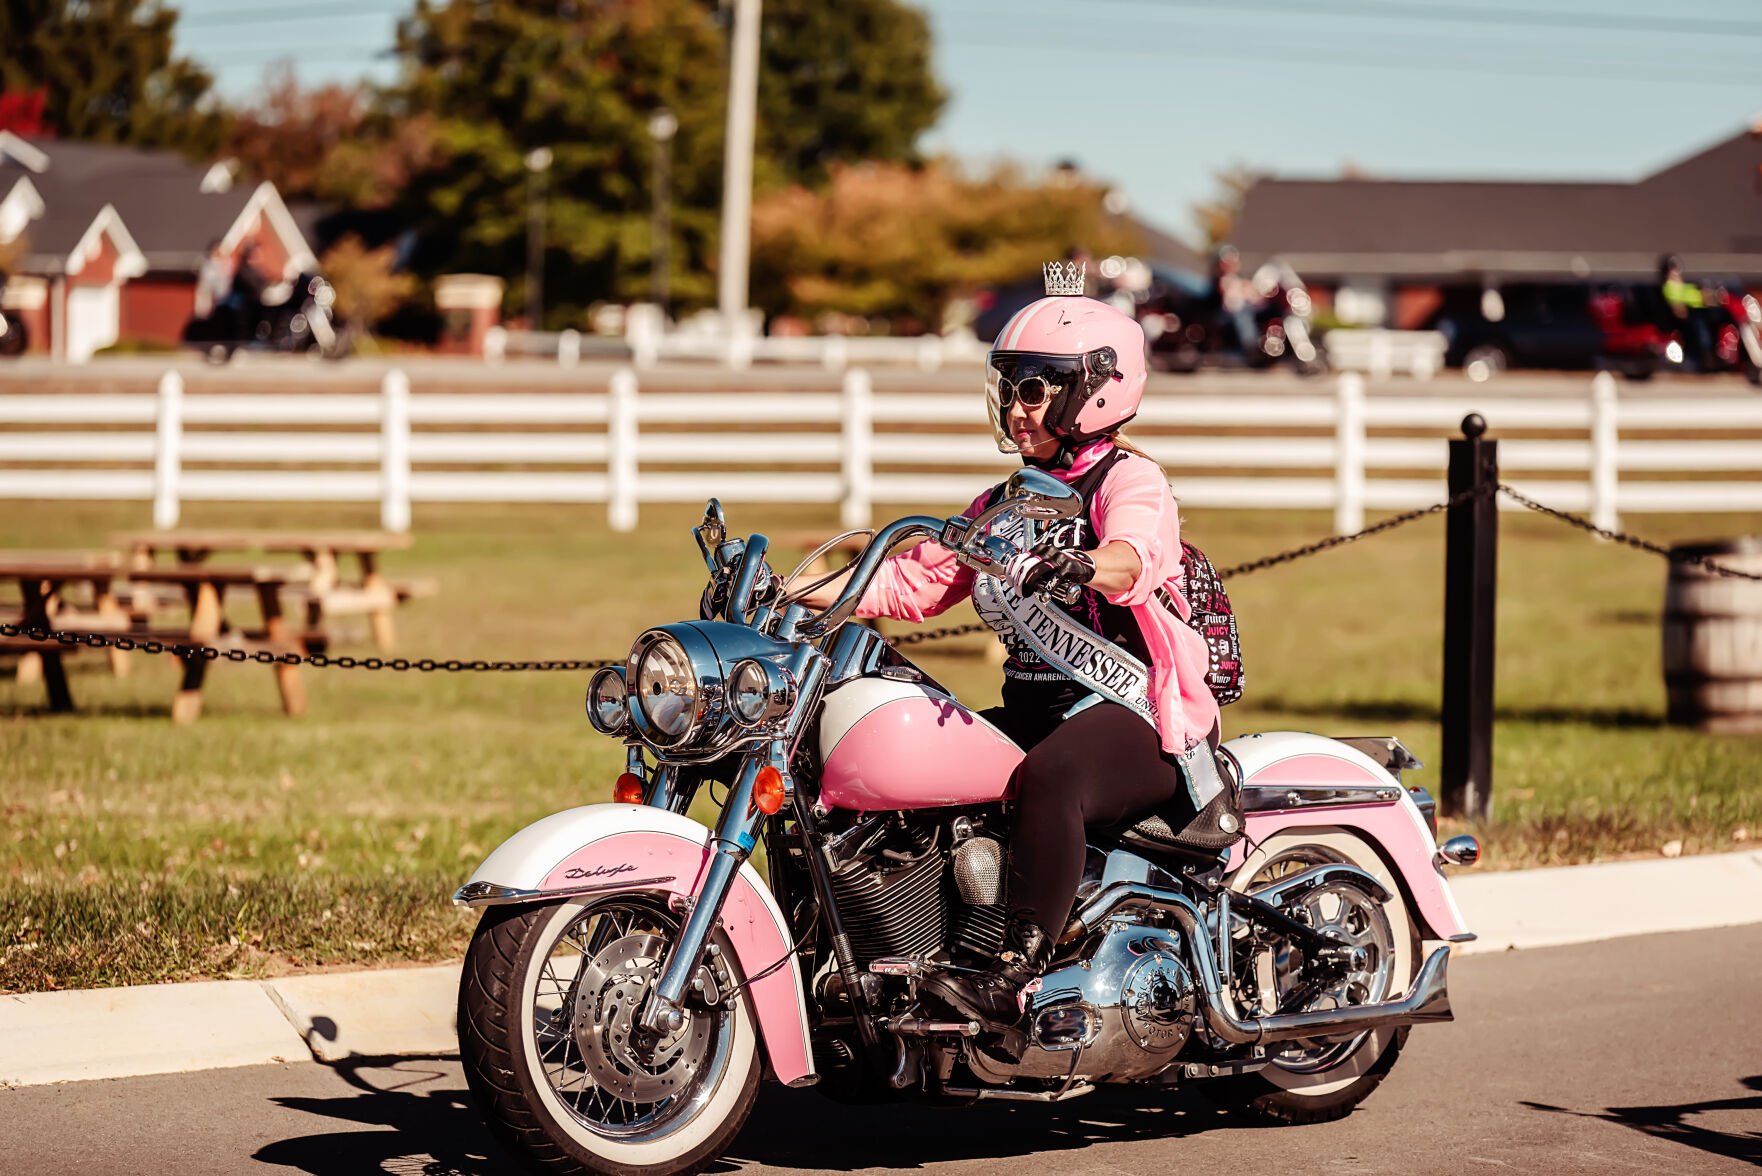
{"x":1185,"y":331}
{"x":15,"y":339}
{"x":302,"y":323}
{"x":1734,"y":322}
{"x":633,"y":977}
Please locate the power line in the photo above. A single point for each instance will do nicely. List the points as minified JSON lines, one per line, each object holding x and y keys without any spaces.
{"x":1466,"y":14}
{"x":283,"y":16}
{"x":1310,"y":56}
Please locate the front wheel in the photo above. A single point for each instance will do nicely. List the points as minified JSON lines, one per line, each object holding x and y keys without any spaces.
{"x":565,"y":1077}
{"x":1317,"y":1081}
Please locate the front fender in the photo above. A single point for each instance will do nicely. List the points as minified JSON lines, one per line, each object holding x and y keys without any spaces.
{"x":606,"y":848}
{"x":1308,"y":768}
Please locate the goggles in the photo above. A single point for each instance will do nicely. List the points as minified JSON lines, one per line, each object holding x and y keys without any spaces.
{"x":1034,"y":380}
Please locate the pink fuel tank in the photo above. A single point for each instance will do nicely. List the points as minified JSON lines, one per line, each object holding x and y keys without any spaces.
{"x":890,"y":744}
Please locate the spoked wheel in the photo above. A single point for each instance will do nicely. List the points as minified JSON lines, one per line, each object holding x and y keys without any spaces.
{"x":548,"y":1033}
{"x":1317,"y":1080}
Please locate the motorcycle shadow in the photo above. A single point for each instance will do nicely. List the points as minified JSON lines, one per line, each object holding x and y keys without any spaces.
{"x":418,"y":1118}
{"x":803,"y":1130}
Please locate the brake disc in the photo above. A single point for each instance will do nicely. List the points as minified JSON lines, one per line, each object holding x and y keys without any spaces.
{"x":626,"y":1061}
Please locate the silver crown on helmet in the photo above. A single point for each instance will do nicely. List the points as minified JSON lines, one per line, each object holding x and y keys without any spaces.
{"x":1064,"y":278}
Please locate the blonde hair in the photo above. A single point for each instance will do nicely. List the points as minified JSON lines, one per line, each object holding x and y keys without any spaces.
{"x":1121,"y":441}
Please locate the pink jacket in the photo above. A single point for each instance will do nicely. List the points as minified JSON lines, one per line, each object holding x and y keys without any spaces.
{"x":1132,"y":505}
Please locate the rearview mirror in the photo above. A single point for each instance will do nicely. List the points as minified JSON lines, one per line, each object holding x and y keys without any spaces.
{"x":1029,"y":494}
{"x":1036,"y":494}
{"x":711,"y":532}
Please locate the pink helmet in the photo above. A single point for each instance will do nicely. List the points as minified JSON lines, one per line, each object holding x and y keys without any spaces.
{"x":1090,"y":354}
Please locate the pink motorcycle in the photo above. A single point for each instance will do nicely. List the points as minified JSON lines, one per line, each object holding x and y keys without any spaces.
{"x":634,"y":977}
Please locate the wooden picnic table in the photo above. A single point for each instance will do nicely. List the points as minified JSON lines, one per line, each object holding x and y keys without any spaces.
{"x":204,"y":586}
{"x":327,"y":593}
{"x":42,"y":578}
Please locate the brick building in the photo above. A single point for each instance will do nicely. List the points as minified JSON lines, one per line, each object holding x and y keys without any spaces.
{"x":107,"y":240}
{"x":1386,"y":250}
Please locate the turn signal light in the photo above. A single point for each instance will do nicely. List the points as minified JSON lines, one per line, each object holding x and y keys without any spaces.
{"x":628,"y":789}
{"x":768,"y":790}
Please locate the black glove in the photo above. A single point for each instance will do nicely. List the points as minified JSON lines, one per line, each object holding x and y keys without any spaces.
{"x":1051,"y":570}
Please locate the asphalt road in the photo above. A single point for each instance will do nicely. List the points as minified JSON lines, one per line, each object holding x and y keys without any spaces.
{"x":1630,"y":1055}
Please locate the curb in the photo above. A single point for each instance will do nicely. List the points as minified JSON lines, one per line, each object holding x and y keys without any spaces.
{"x":49,"y":1037}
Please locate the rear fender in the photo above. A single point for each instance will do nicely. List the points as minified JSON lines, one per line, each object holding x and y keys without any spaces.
{"x":608,"y":848}
{"x":1298,"y":774}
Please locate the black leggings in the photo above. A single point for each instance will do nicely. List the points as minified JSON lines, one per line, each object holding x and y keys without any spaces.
{"x":1098,"y":767}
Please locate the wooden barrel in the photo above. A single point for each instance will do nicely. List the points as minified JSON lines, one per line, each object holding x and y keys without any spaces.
{"x":1713,"y":638}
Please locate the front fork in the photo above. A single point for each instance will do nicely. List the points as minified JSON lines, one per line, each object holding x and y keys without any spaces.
{"x":737,"y":832}
{"x":731,"y":844}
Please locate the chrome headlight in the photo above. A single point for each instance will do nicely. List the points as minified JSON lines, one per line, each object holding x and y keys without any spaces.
{"x":759,"y":692}
{"x":666,"y":695}
{"x":682,"y":691}
{"x":608,"y":704}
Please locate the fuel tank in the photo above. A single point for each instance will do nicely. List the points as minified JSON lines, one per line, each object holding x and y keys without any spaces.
{"x":892,"y":744}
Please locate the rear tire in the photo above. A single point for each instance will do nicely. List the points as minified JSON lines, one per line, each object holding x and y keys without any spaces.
{"x":520,"y":1039}
{"x":1312,"y":1090}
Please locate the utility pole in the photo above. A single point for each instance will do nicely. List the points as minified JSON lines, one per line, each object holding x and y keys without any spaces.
{"x":737,"y":177}
{"x":662,"y":127}
{"x":538,"y":164}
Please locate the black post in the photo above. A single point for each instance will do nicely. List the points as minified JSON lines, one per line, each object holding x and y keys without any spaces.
{"x":1471,"y":581}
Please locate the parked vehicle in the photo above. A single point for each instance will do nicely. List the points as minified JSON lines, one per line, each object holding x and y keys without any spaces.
{"x":632,"y":977}
{"x":1553,"y":325}
{"x":300,"y":324}
{"x":14,"y":338}
{"x":1181,"y":318}
{"x":1734,"y":324}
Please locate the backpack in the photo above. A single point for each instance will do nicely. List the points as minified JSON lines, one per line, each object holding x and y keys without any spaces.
{"x":1212,"y":618}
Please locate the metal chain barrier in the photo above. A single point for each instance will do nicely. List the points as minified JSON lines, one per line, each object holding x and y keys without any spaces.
{"x":211,"y":653}
{"x":1634,"y":541}
{"x":1333,"y":541}
{"x":430,"y":665}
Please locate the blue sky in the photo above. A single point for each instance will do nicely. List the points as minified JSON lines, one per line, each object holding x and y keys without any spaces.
{"x":1157,"y":95}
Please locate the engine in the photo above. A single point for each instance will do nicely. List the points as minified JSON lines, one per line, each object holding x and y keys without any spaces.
{"x":1129,"y":1005}
{"x":911,"y":887}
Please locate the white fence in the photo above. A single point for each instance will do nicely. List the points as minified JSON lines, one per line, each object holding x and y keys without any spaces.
{"x":1340,"y":450}
{"x":1382,"y":353}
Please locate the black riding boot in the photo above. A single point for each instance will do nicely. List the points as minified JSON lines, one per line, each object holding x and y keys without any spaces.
{"x":992,"y":997}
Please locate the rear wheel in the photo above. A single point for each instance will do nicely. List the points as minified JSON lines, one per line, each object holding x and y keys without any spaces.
{"x":1321,"y":1079}
{"x":556,"y":1062}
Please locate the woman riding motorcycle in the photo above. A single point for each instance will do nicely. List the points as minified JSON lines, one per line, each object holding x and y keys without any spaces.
{"x":1128,"y":727}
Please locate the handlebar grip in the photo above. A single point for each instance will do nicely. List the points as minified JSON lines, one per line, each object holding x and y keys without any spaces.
{"x":1066,"y":592}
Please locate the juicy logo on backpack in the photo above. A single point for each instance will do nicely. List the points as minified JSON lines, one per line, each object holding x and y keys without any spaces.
{"x":1210,"y":614}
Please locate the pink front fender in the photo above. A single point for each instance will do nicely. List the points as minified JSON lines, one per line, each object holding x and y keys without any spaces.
{"x":654,"y":850}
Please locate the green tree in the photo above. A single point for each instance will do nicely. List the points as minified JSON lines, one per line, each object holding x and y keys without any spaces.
{"x":501,"y":78}
{"x":845,"y":82}
{"x":898,"y":242}
{"x":328,"y":143}
{"x":109,"y":70}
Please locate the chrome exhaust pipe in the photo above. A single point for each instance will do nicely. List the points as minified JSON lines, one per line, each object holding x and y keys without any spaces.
{"x":1427,"y":1001}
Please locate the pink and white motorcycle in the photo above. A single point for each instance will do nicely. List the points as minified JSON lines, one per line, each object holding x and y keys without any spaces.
{"x":634,"y":977}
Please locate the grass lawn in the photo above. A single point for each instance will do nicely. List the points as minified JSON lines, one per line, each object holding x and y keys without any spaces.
{"x":250,"y":844}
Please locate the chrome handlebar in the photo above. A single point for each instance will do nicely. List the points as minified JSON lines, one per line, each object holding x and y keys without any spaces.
{"x":1029,"y":492}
